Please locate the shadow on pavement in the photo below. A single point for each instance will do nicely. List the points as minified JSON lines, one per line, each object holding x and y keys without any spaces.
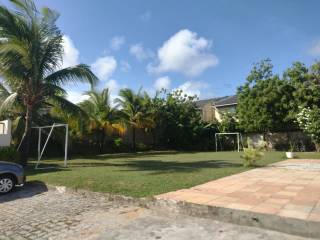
{"x":29,"y":190}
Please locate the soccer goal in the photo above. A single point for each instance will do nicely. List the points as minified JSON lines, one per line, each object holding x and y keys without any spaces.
{"x":236,"y":134}
{"x":41,"y":149}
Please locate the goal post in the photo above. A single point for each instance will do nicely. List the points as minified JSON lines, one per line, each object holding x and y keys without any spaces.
{"x":41,"y":149}
{"x":237,"y":134}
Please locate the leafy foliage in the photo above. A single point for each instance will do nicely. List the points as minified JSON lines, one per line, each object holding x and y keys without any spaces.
{"x":30,"y":54}
{"x":103,"y":119}
{"x":179,"y":124}
{"x":264,"y":101}
{"x":135,"y":112}
{"x":9,"y":154}
{"x":309,"y":121}
{"x":251,"y":154}
{"x":228,"y":123}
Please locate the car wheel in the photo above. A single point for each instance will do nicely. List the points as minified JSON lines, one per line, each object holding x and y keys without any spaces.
{"x":6,"y":184}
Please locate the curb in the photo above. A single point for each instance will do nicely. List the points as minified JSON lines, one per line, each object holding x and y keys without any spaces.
{"x":291,"y":226}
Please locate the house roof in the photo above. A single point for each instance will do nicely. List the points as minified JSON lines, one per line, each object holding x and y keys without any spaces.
{"x":201,"y":103}
{"x":229,"y":100}
{"x":219,"y":101}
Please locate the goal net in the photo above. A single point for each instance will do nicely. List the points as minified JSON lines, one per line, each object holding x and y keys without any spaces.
{"x":235,"y":139}
{"x":41,"y":148}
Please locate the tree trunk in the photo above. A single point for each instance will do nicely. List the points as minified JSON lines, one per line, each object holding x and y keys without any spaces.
{"x":101,"y":144}
{"x":26,"y":138}
{"x":133,"y":139}
{"x":154,"y":138}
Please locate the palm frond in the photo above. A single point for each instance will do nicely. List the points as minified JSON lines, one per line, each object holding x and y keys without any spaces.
{"x":75,"y":74}
{"x":8,"y":102}
{"x":66,"y":105}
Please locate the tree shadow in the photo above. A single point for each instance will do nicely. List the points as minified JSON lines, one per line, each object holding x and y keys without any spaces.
{"x":159,"y":167}
{"x":29,"y":190}
{"x":45,"y":168}
{"x":131,"y":155}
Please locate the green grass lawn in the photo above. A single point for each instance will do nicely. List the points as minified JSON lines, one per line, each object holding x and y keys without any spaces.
{"x":143,"y":175}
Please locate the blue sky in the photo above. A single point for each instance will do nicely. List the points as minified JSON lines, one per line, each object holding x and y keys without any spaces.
{"x":205,"y":47}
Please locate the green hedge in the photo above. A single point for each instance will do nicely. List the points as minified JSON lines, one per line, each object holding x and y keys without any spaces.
{"x":9,"y":154}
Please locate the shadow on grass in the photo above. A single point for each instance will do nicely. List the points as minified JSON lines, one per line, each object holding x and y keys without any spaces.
{"x":162,"y":166}
{"x":45,"y":168}
{"x":132,"y":155}
{"x":29,"y":190}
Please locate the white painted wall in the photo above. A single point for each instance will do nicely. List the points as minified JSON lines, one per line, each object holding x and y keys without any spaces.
{"x":5,"y":133}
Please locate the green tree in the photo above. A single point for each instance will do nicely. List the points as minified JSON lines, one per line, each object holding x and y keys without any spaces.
{"x":30,"y":53}
{"x":265,"y":101}
{"x":103,"y":118}
{"x":306,"y":84}
{"x":178,"y":122}
{"x":228,"y":123}
{"x":135,"y":112}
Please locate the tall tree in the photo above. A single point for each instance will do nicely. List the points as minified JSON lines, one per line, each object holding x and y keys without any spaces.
{"x":179,"y":121}
{"x":264,"y":101}
{"x":30,"y":53}
{"x":306,"y":84}
{"x":103,"y":118}
{"x":134,"y":111}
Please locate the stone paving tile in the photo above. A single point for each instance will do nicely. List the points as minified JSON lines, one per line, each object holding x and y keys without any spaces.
{"x":289,"y":188}
{"x":41,"y":214}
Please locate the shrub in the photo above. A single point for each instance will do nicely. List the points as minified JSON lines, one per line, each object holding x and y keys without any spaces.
{"x":309,"y":121}
{"x":118,"y":142}
{"x":142,"y":147}
{"x":9,"y":154}
{"x":120,"y":146}
{"x":251,"y":154}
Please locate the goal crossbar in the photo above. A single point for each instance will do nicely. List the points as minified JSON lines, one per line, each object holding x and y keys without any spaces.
{"x":41,"y":150}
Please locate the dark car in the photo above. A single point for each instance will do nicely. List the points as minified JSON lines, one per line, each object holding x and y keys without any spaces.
{"x":11,"y":175}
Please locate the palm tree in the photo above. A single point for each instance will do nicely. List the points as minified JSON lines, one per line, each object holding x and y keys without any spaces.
{"x":30,"y":55}
{"x":134,"y":111}
{"x":103,"y":118}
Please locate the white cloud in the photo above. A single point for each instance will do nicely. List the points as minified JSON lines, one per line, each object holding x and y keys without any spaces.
{"x":140,"y":52}
{"x":114,"y":88}
{"x":192,"y":88}
{"x":117,"y":42}
{"x":76,"y":97}
{"x":162,"y":83}
{"x":146,"y":16}
{"x":185,"y":52}
{"x":112,"y":85}
{"x":314,"y":50}
{"x":71,"y":53}
{"x":104,"y":67}
{"x":125,"y":66}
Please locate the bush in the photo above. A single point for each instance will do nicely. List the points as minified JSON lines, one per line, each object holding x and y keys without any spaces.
{"x":119,"y":146}
{"x":143,"y":147}
{"x":251,"y":154}
{"x":309,"y":121}
{"x":9,"y":154}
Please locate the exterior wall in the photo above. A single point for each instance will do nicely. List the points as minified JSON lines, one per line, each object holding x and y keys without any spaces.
{"x":219,"y":111}
{"x":5,"y":133}
{"x":281,"y":140}
{"x":208,"y":113}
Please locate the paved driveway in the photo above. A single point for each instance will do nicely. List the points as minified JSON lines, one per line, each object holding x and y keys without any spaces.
{"x":284,"y":196}
{"x":289,"y":189}
{"x":38,"y":213}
